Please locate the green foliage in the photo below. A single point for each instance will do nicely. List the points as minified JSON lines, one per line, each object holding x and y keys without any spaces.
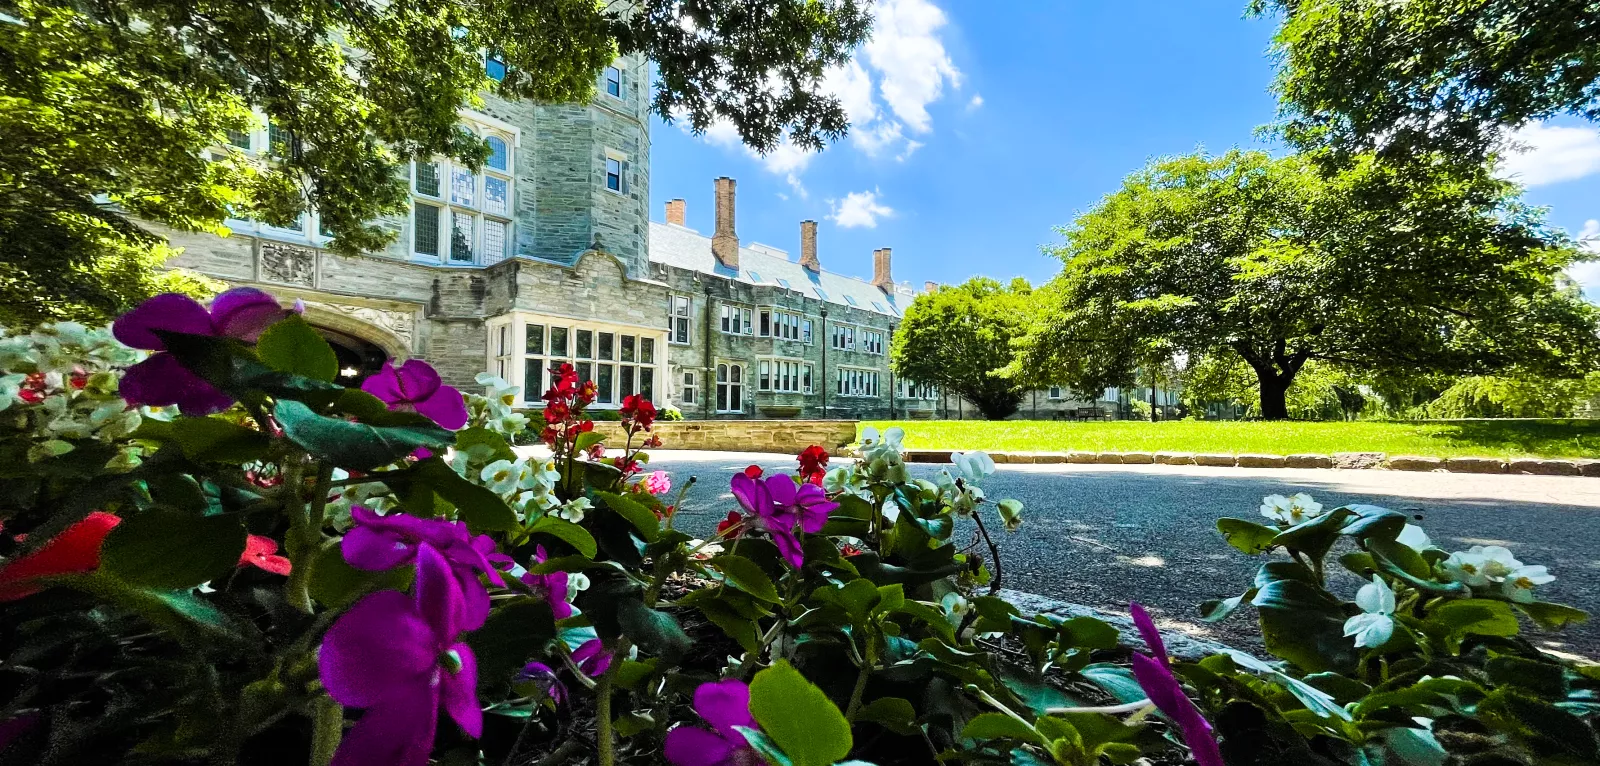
{"x":1435,"y":268}
{"x":958,"y":337}
{"x":132,"y":105}
{"x":1321,"y":390}
{"x":1481,"y":396}
{"x":1368,"y":74}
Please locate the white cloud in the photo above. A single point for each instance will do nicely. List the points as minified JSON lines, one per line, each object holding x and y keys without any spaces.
{"x":859,"y":209}
{"x":1587,"y":274}
{"x":910,"y":58}
{"x":977,"y":101}
{"x":1547,"y":154}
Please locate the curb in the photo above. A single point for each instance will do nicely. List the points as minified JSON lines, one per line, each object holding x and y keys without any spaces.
{"x":1338,"y":460}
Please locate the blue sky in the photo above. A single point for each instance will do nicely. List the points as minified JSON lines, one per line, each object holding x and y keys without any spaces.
{"x":977,"y":132}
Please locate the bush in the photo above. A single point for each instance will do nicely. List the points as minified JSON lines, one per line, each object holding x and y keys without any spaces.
{"x":245,"y":576}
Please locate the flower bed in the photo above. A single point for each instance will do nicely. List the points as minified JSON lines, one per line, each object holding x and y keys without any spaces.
{"x":213,"y":553}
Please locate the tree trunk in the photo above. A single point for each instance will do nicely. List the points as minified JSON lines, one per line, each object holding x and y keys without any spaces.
{"x":1274,"y":396}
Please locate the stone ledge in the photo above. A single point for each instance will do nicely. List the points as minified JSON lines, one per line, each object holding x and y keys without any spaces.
{"x":1358,"y":460}
{"x":1175,"y":458}
{"x":1415,"y":463}
{"x":1539,"y":467}
{"x":1216,"y":461}
{"x":1308,"y":461}
{"x":1137,"y":458}
{"x":1261,"y":461}
{"x":1180,"y":645}
{"x":1475,"y":465}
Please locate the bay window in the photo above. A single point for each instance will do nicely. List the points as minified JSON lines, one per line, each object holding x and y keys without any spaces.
{"x":621,"y":360}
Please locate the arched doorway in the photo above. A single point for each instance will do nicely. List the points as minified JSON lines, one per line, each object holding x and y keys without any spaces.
{"x":357,"y":358}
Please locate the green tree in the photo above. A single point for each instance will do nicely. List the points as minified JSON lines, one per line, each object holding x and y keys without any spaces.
{"x":1435,"y":268}
{"x":1366,"y":74}
{"x":957,"y":337}
{"x":117,"y":114}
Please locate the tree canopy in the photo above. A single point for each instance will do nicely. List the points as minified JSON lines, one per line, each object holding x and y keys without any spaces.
{"x":1368,"y":74}
{"x":1433,"y":268}
{"x":958,"y":336}
{"x":117,"y":113}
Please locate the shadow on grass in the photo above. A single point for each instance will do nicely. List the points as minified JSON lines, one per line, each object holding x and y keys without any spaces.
{"x":1520,"y":436}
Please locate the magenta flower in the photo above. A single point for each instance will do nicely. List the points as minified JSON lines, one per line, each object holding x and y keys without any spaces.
{"x":1156,"y":678}
{"x":658,"y":483}
{"x":545,"y":678}
{"x":723,"y":704}
{"x":592,"y":658}
{"x":399,"y":658}
{"x":377,"y":543}
{"x":552,"y":586}
{"x":776,"y":504}
{"x":241,"y":313}
{"x":415,"y":387}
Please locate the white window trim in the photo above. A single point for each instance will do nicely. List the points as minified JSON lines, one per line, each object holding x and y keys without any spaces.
{"x":519,"y":320}
{"x":622,"y":82}
{"x":481,"y":217}
{"x":746,"y":318}
{"x":743,"y":384}
{"x":623,"y":169}
{"x":673,"y":317}
{"x":842,"y":369}
{"x":800,"y":366}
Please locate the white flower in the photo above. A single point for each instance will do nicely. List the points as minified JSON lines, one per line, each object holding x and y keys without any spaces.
{"x":1413,"y":537}
{"x":1467,"y":568}
{"x":543,"y":474}
{"x":576,"y":581}
{"x":573,"y":510}
{"x":1519,"y":583}
{"x":1497,"y":561}
{"x":875,"y":447}
{"x":503,"y":476}
{"x":955,"y":607}
{"x":972,"y":466}
{"x":1291,"y":510}
{"x":1375,"y":624}
{"x":703,"y":553}
{"x":844,"y":480}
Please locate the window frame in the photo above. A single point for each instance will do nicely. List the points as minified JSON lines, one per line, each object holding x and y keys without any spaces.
{"x":784,"y":375}
{"x":732,"y":378}
{"x":857,"y":382}
{"x":473,"y":207}
{"x":677,"y":319}
{"x":646,"y":374}
{"x":606,"y":81}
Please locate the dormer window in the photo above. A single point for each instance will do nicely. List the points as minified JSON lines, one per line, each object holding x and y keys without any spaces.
{"x":613,"y":82}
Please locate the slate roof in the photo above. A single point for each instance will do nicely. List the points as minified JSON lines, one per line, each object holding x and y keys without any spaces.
{"x":686,"y":248}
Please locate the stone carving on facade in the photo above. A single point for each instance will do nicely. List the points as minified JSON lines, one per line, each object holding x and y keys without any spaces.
{"x":401,"y":323}
{"x":288,"y":264}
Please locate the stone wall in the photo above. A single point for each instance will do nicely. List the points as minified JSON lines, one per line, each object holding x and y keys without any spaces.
{"x":779,"y":436}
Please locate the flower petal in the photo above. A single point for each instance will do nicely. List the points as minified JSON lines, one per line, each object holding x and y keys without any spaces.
{"x":244,"y":312}
{"x":76,"y":549}
{"x":417,"y":379}
{"x":380,"y":647}
{"x":375,"y":549}
{"x":398,"y":733}
{"x":693,"y":746}
{"x":439,"y":594}
{"x":1148,"y":631}
{"x":788,"y":547}
{"x":445,"y":406}
{"x":750,"y":493}
{"x":161,"y":381}
{"x":458,"y":692}
{"x":172,"y":312}
{"x":384,"y":384}
{"x":724,"y":704}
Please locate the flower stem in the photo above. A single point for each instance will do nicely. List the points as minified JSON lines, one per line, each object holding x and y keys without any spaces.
{"x":299,"y":544}
{"x":994,"y":554}
{"x":605,"y":742}
{"x":861,"y":680}
{"x":326,"y":731}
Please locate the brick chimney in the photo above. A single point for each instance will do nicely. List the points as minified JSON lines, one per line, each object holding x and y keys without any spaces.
{"x":808,"y":247}
{"x":725,"y":242}
{"x":930,"y":286}
{"x":675,"y":211}
{"x":881,"y":278}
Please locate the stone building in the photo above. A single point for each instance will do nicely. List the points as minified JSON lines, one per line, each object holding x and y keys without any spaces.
{"x":547,"y":255}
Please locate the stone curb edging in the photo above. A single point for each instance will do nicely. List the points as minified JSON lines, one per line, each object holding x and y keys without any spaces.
{"x":1180,"y":645}
{"x":1342,"y":460}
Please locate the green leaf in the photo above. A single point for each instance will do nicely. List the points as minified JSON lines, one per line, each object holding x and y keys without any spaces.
{"x":568,"y":532}
{"x":892,"y":713}
{"x":335,"y":584}
{"x":744,"y":574}
{"x":189,"y":620}
{"x":478,"y":506}
{"x":292,"y":346}
{"x":1088,"y":633}
{"x":1553,"y":616}
{"x":357,"y":446}
{"x":798,"y":716}
{"x":217,"y":440}
{"x":1301,"y":622}
{"x":588,"y":439}
{"x":1217,"y":610}
{"x":172,"y":550}
{"x":743,"y":630}
{"x":1000,"y":726}
{"x":1317,"y":536}
{"x":639,"y":516}
{"x":1455,"y":620}
{"x":654,"y":631}
{"x":232,"y":366}
{"x":1117,"y":680}
{"x":478,"y":436}
{"x":514,"y":632}
{"x":1247,"y":536}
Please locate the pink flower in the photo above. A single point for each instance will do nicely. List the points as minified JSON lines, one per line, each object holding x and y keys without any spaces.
{"x":725,"y":705}
{"x":259,"y":552}
{"x":592,"y":658}
{"x":777,"y":505}
{"x":552,"y":586}
{"x":415,"y":387}
{"x":658,"y":483}
{"x":241,"y":313}
{"x":1155,"y":676}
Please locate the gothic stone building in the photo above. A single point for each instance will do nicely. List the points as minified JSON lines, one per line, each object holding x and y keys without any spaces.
{"x":547,"y":255}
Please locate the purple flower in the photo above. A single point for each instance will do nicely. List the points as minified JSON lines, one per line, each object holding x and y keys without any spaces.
{"x":377,"y":543}
{"x":552,"y":586}
{"x":415,"y":387}
{"x":545,"y":678}
{"x":399,"y":658}
{"x":723,"y":704}
{"x":1156,"y":678}
{"x":241,"y":313}
{"x":592,"y":658}
{"x":776,"y":504}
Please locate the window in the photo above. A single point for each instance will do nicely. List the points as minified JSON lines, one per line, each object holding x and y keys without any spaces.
{"x":687,"y":392}
{"x":872,"y":341}
{"x":613,"y":82}
{"x":494,"y":66}
{"x":857,"y":382}
{"x":844,"y":337}
{"x":736,"y":320}
{"x":764,"y":324}
{"x":503,"y":352}
{"x":879,"y":307}
{"x":851,"y":300}
{"x":240,"y":139}
{"x":785,"y":284}
{"x":616,"y":174}
{"x":821,"y":293}
{"x":754,"y":277}
{"x":461,"y":216}
{"x":679,"y":322}
{"x":780,"y":324}
{"x":1055,"y":392}
{"x":730,"y":387}
{"x":784,"y":376}
{"x":805,"y":331}
{"x":620,"y":362}
{"x":914,"y":390}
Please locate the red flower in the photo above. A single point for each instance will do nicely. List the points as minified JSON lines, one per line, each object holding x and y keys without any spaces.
{"x":753,"y":471}
{"x":733,"y":520}
{"x":624,"y":465}
{"x":78,"y":378}
{"x":259,"y":552}
{"x":597,"y":452}
{"x":77,"y":549}
{"x":813,"y":463}
{"x":639,"y":411}
{"x":847,"y":550}
{"x":655,"y":441}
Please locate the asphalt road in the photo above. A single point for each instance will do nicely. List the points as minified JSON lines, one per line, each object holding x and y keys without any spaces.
{"x":1107,"y":535}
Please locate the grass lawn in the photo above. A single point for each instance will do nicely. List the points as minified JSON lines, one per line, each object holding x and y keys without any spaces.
{"x":1481,"y":438}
